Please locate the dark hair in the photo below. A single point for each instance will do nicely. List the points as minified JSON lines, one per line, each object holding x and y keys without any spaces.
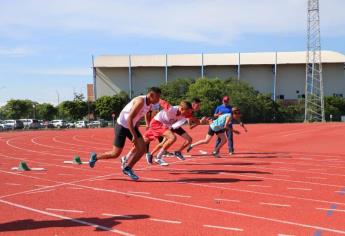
{"x":155,"y":90}
{"x":196,"y":100}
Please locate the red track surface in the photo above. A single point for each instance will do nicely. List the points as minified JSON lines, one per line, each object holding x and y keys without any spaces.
{"x":284,"y":180}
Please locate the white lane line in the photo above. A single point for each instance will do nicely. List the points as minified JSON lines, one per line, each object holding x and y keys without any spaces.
{"x":166,"y":221}
{"x":327,"y":209}
{"x":64,"y":174}
{"x":222,"y":227}
{"x":82,"y":222}
{"x":114,"y":215}
{"x":40,"y":186}
{"x":226,"y":200}
{"x":146,"y":193}
{"x":64,"y":210}
{"x":302,"y":189}
{"x":14,"y":184}
{"x":202,"y":152}
{"x":274,"y":204}
{"x":40,"y":191}
{"x":286,"y":235}
{"x":262,"y":186}
{"x":176,"y":195}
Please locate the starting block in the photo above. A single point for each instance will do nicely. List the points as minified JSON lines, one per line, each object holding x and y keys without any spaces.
{"x":76,"y":161}
{"x":23,"y":166}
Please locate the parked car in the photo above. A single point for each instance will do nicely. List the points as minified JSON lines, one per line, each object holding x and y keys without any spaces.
{"x":30,"y":123}
{"x":98,"y":124}
{"x":4,"y":126}
{"x":70,"y":125}
{"x":81,"y":124}
{"x":58,"y":124}
{"x":15,"y":124}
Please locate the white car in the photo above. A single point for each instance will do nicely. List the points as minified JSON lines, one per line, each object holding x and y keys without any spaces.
{"x":30,"y":123}
{"x":98,"y":124}
{"x":59,"y":124}
{"x":4,"y":126}
{"x":81,"y":124}
{"x":14,"y":124}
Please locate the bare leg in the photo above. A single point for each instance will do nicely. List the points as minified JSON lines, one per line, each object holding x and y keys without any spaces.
{"x":187,"y":141}
{"x":140,"y":147}
{"x":114,"y":153}
{"x":204,"y":141}
{"x":156,"y":148}
{"x":222,"y":138}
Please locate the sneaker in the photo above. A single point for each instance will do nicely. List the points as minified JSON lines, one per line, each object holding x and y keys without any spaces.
{"x":123,"y":162}
{"x":93,"y":159}
{"x":179,"y":155}
{"x":149,"y":158}
{"x":161,"y":162}
{"x":128,"y":171}
{"x":215,"y":154}
{"x":189,"y":148}
{"x":231,"y":153}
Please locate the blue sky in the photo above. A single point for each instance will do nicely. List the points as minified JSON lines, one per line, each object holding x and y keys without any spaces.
{"x":46,"y":46}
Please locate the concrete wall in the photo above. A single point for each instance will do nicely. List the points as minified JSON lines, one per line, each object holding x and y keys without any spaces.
{"x":333,"y":79}
{"x":110,"y":81}
{"x":145,"y":77}
{"x":260,"y":77}
{"x":290,"y":78}
{"x":221,"y":72}
{"x":176,"y":72}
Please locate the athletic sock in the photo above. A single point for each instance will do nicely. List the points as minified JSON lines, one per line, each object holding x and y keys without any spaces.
{"x":160,"y":153}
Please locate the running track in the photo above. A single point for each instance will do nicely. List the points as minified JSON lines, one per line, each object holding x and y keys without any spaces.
{"x":284,"y":180}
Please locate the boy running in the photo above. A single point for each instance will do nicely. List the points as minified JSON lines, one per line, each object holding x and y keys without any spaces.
{"x":126,"y":127}
{"x":218,"y":127}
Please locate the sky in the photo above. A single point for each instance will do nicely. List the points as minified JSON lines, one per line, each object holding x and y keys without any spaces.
{"x":46,"y":47}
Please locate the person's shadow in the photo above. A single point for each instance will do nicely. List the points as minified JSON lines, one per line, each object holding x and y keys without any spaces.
{"x":105,"y":223}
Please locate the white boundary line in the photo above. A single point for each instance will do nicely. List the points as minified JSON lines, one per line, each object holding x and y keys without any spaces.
{"x":328,"y":209}
{"x":114,"y":215}
{"x":64,"y":210}
{"x":166,"y":221}
{"x":176,"y":195}
{"x":226,"y":200}
{"x":222,"y":227}
{"x":274,"y":204}
{"x":82,"y":222}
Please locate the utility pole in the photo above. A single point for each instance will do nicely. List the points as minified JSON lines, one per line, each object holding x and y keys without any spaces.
{"x":314,"y":96}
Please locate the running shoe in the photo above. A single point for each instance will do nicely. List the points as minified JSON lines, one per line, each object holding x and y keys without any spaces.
{"x":189,"y":148}
{"x":179,"y":155}
{"x":215,"y":154}
{"x":161,"y":162}
{"x":149,"y":158}
{"x":128,"y":171}
{"x":231,"y":153}
{"x":93,"y":159}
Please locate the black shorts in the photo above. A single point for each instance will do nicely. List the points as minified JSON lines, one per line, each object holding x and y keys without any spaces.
{"x":211,"y":132}
{"x":121,"y":133}
{"x":180,"y":131}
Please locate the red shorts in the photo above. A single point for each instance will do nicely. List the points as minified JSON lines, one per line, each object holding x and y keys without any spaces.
{"x":156,"y":130}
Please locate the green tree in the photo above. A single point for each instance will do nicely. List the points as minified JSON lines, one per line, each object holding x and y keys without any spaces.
{"x":45,"y":111}
{"x":105,"y":105}
{"x":18,"y":109}
{"x":176,"y":90}
{"x":334,"y":106}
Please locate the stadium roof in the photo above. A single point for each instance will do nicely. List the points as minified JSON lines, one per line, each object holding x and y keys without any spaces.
{"x":221,"y":59}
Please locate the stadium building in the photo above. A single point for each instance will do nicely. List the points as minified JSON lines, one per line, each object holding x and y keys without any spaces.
{"x":281,"y":74}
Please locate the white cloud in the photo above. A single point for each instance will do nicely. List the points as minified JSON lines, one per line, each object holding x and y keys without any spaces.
{"x":15,"y":52}
{"x":214,"y":22}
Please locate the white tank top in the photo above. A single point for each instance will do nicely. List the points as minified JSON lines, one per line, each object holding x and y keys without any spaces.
{"x":169,"y":117}
{"x":122,"y":120}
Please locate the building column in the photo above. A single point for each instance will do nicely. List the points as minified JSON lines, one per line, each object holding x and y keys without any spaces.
{"x":275,"y":77}
{"x":239,"y":67}
{"x":94,"y":79}
{"x":130,"y":75}
{"x":166,"y":68}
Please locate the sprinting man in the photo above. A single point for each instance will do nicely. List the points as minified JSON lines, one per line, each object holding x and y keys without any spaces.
{"x":126,"y":127}
{"x":218,"y":127}
{"x":161,"y":125}
{"x":177,"y":129}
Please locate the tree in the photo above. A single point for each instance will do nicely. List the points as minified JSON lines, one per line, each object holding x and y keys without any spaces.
{"x":45,"y":111}
{"x":74,"y":110}
{"x":176,"y":90}
{"x":334,"y":106}
{"x":18,"y":109}
{"x":105,"y":105}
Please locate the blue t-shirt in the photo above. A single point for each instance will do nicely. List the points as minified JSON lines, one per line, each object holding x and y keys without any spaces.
{"x":219,"y":123}
{"x":223,"y":109}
